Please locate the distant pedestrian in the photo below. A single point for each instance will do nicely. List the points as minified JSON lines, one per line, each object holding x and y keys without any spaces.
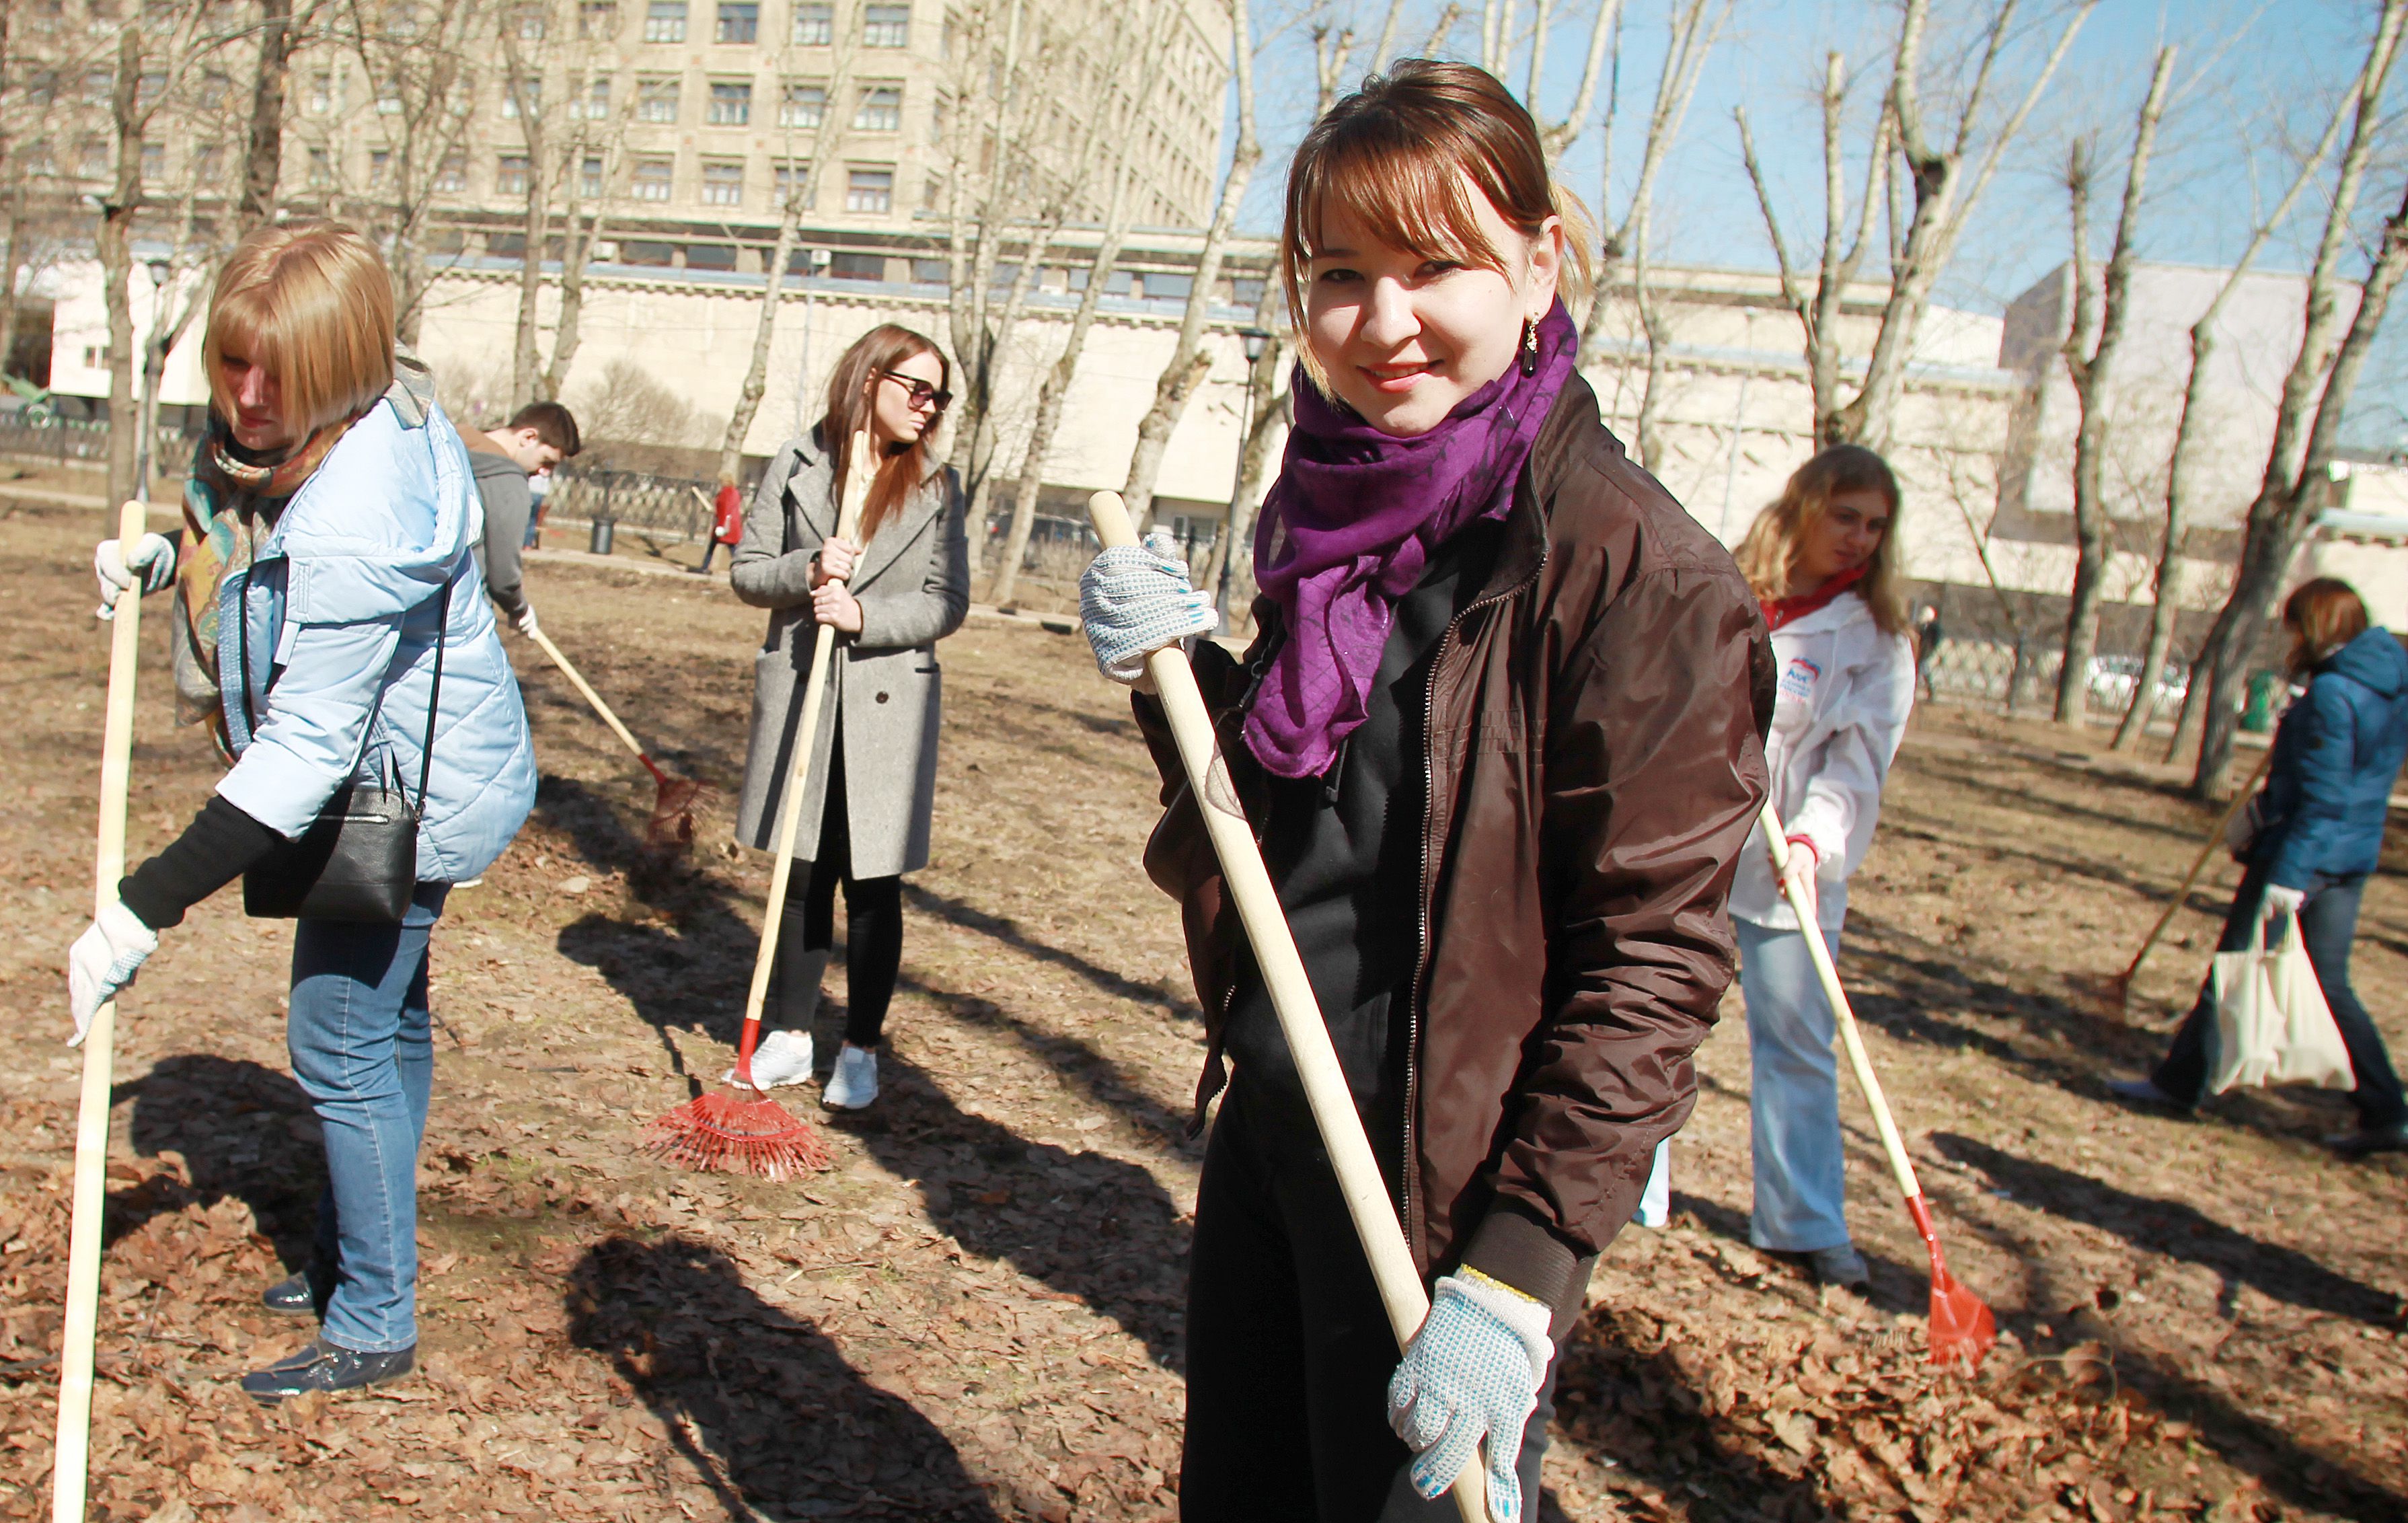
{"x":538,"y":489}
{"x":903,"y":587}
{"x":506,"y":461}
{"x":726,"y":523}
{"x":1927,"y":636}
{"x":2320,"y":818}
{"x":1824,"y":561}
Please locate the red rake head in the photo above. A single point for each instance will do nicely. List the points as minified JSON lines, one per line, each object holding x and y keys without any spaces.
{"x":740,"y":1132}
{"x":673,"y":822}
{"x":1962,"y":1327}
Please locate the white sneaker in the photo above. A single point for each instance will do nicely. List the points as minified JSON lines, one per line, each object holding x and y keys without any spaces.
{"x":783,"y":1057}
{"x":855,"y":1084}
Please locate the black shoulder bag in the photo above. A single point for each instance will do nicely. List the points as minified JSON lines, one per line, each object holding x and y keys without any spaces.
{"x":358,"y":861}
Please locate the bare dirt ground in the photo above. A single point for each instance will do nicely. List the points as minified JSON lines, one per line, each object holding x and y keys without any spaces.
{"x":975,"y":1314}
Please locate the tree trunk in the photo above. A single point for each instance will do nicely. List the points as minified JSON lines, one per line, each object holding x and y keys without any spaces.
{"x":264,"y":155}
{"x":115,"y":246}
{"x":525,"y":358}
{"x":1262,"y":380}
{"x":576,"y":249}
{"x":756,"y":374}
{"x":1234,"y":561}
{"x":1189,"y":362}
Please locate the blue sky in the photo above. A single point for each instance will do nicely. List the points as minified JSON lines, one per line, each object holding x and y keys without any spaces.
{"x":2258,"y":78}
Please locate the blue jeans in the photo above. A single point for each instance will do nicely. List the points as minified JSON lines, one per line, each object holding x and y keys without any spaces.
{"x":1793,"y":1098}
{"x":2328,"y":925}
{"x":363,"y":1052}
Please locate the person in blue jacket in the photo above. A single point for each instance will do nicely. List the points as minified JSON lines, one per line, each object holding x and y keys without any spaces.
{"x":2319,"y":833}
{"x":325,"y":577}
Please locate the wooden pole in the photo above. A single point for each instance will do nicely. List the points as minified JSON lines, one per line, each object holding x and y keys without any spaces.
{"x":1291,"y":991}
{"x":77,"y":1338}
{"x":2199,"y":863}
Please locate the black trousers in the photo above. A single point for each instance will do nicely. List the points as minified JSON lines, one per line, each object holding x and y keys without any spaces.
{"x":873,"y":929}
{"x":1288,"y":1349}
{"x":2328,"y":925}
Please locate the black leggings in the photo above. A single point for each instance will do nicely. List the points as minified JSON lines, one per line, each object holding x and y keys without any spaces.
{"x":873,"y":928}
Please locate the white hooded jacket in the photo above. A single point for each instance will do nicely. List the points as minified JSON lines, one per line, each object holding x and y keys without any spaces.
{"x":1846,"y":692}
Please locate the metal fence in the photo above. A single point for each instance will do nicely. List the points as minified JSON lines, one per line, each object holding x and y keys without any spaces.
{"x":658,"y":507}
{"x":1060,"y":548}
{"x":2016,"y":678}
{"x":83,"y":440}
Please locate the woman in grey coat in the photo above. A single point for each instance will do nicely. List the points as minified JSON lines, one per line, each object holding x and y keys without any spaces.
{"x":873,"y":777}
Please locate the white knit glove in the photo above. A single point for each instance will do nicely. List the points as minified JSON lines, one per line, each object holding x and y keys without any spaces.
{"x":524,"y":623}
{"x":1472,"y":1371}
{"x":153,"y":555}
{"x":1136,"y":599}
{"x":105,"y":959}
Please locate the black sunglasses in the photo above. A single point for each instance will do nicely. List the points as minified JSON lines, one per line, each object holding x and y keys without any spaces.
{"x":918,"y":390}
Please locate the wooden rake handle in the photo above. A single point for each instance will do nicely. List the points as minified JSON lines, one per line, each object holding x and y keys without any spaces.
{"x":1291,"y":991}
{"x":577,"y":679}
{"x":73,"y":1454}
{"x":2207,"y":849}
{"x":790,"y":811}
{"x":1819,"y":953}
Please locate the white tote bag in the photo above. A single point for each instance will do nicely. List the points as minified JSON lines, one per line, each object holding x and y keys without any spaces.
{"x":2271,"y":1023}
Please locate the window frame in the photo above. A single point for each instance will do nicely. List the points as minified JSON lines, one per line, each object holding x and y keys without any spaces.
{"x":739,"y":100}
{"x":722,"y":175}
{"x":751,"y":25}
{"x":882,"y":26}
{"x":856,"y":194}
{"x":659,"y":21}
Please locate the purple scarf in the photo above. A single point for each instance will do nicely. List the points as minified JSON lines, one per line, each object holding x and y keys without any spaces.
{"x":1350,"y":525}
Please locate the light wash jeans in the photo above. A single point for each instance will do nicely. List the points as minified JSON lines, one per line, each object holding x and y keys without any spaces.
{"x":1794,"y":1098}
{"x":358,"y":1032}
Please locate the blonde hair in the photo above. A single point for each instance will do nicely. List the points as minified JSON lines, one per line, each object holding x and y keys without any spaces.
{"x":1769,"y":555}
{"x":309,"y":301}
{"x":1394,"y":156}
{"x":2323,"y":615}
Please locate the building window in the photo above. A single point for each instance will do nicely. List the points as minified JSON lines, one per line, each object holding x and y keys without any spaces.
{"x":209,"y":164}
{"x":654,"y":178}
{"x":42,"y":88}
{"x":523,"y":96}
{"x":656,"y":99}
{"x":321,"y":168}
{"x":97,"y":84}
{"x":154,"y":162}
{"x":886,"y":26}
{"x":722,"y":182}
{"x":598,"y":20}
{"x":731,"y":104}
{"x":739,"y":22}
{"x":379,"y":165}
{"x":320,"y":100}
{"x":589,"y":178}
{"x":149,"y":88}
{"x":92,"y":160}
{"x":665,"y":21}
{"x":40,"y":162}
{"x":932,"y":193}
{"x":452,"y":174}
{"x":814,"y":25}
{"x":210,"y":95}
{"x":802,"y":106}
{"x":796,"y":180}
{"x":880,"y":109}
{"x":531,"y":22}
{"x":936,"y":122}
{"x":510,"y":175}
{"x":590,"y":99}
{"x":869,"y":191}
{"x":857,"y":266}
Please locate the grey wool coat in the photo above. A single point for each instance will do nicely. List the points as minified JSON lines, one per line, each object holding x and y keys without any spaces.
{"x":914,"y":583}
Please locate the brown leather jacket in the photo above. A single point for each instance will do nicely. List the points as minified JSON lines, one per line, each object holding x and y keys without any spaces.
{"x":1595,"y":744}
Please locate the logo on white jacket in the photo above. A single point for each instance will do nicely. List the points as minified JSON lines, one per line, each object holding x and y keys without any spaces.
{"x":1799,"y":678}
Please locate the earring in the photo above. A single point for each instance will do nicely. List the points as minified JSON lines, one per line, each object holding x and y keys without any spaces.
{"x":1529,"y":348}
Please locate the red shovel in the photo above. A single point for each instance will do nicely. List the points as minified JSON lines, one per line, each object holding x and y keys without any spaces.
{"x":1962,"y":1327}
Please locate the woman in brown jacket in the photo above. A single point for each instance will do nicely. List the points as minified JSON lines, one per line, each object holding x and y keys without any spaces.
{"x":1500,"y":737}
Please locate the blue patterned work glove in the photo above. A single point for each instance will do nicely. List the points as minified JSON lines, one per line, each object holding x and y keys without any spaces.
{"x":1136,"y":599}
{"x":1472,"y":1371}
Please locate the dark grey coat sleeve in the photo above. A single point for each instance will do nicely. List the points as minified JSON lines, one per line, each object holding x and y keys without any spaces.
{"x":507,"y":506}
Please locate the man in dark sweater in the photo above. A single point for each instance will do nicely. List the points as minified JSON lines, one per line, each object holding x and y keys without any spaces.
{"x":538,"y":437}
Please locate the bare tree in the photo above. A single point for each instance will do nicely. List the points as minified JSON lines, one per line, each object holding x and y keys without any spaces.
{"x":582,"y":227}
{"x":2307,"y":422}
{"x":1189,"y":361}
{"x":1947,"y":182}
{"x":1273,"y":416}
{"x":522,"y":89}
{"x":416,"y":64}
{"x":802,"y":182}
{"x":262,"y":161}
{"x":2090,"y":345}
{"x":2183,"y":466}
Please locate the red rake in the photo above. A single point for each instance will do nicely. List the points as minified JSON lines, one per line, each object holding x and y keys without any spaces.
{"x":671,"y":825}
{"x":746,"y":1131}
{"x":1962,"y":1327}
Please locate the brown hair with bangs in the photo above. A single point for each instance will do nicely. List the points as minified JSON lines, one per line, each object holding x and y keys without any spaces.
{"x":882,"y":349}
{"x":2323,"y":615}
{"x":1396,"y":153}
{"x":309,"y":301}
{"x":1768,"y":555}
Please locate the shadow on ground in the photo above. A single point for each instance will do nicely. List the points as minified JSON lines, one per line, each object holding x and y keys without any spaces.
{"x":760,"y":1402}
{"x":244,"y":1130}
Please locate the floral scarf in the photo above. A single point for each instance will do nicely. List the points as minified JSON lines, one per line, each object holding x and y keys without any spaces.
{"x":231,"y":506}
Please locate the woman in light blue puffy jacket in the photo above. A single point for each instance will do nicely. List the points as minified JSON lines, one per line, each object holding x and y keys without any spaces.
{"x":329,"y":619}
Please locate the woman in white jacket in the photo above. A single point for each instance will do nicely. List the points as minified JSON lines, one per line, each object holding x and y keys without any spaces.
{"x":1824,"y":561}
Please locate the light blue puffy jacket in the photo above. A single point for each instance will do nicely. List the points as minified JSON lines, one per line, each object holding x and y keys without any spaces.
{"x":331,"y":633}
